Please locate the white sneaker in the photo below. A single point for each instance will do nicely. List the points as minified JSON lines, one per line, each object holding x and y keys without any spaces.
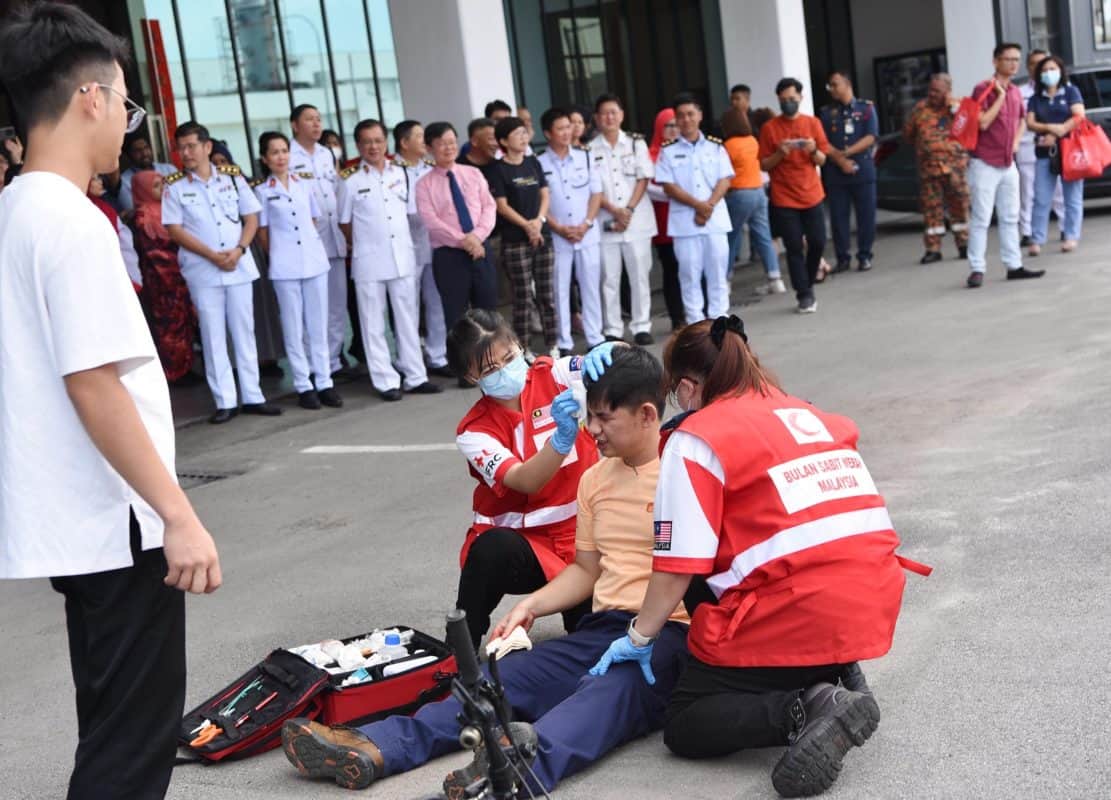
{"x":775,"y":286}
{"x":807,"y":307}
{"x":529,"y":357}
{"x":554,"y":353}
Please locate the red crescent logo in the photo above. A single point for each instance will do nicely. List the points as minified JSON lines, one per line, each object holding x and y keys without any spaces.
{"x":792,"y":420}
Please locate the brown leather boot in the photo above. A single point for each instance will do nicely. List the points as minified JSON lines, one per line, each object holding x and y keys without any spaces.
{"x":343,"y":754}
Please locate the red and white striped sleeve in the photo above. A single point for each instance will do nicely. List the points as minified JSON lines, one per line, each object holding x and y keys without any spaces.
{"x":688,"y":507}
{"x":488,"y":456}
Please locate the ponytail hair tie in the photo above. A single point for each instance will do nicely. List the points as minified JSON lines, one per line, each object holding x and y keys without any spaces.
{"x":724,"y":324}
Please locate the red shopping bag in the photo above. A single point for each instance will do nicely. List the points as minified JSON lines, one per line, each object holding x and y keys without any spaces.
{"x":1085,"y":152}
{"x":966,"y":122}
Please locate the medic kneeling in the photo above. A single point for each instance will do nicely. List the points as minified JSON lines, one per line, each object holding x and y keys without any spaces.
{"x":767,"y":514}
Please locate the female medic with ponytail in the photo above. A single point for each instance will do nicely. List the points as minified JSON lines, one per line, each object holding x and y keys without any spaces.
{"x":769,"y":525}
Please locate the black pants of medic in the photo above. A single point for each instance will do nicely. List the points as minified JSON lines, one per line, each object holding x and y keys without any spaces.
{"x":126,"y":633}
{"x":501,"y":562}
{"x":715,"y":711}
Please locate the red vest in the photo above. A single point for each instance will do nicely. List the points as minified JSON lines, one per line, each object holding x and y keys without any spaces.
{"x":805,"y":571}
{"x":547,"y":518}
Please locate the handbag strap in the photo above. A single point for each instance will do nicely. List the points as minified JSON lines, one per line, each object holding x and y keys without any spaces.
{"x":980,"y":97}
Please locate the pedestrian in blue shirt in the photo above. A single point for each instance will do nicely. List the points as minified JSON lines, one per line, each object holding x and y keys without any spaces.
{"x":850,"y":173}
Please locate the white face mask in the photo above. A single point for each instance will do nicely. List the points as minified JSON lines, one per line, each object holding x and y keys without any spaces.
{"x":337,"y":153}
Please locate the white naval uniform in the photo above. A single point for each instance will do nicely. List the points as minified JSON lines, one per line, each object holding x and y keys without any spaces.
{"x":383,"y":265}
{"x":621,"y":167}
{"x":435,"y":330}
{"x":1027,"y":160}
{"x":701,"y":250}
{"x":321,"y":163}
{"x":571,"y":182}
{"x":299,"y":271}
{"x":212,"y":211}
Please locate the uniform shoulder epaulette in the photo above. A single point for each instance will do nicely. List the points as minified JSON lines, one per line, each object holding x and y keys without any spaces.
{"x":714,"y":139}
{"x":429,"y":161}
{"x":173,"y":178}
{"x":257,"y":182}
{"x":349,"y":171}
{"x":636,"y":135}
{"x":398,"y":161}
{"x":669,"y":142}
{"x":308,"y":176}
{"x":230,"y":169}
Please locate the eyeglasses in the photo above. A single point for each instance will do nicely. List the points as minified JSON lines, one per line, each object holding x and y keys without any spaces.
{"x":508,"y":358}
{"x":135,"y":112}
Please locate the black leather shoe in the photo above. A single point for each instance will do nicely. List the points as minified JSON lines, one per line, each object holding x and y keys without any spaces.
{"x":271,"y":369}
{"x":390,"y":395}
{"x":442,"y":372}
{"x":428,"y":387}
{"x":262,"y":409}
{"x":330,"y":397}
{"x":864,"y":265}
{"x":1022,"y":273}
{"x":931,"y":257}
{"x":842,"y":266}
{"x":644,"y":339}
{"x":614,"y":339}
{"x":463,"y":383}
{"x":309,"y":400}
{"x":975,"y":280}
{"x":566,"y":351}
{"x":222,"y":415}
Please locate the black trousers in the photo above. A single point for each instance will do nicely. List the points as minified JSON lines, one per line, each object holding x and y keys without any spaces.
{"x":715,"y":711}
{"x":127,"y":652}
{"x":803,"y":231}
{"x":501,"y":562}
{"x":673,"y":295}
{"x":464,"y":282}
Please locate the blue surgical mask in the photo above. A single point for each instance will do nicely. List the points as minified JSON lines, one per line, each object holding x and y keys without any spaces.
{"x":1051,"y":77}
{"x":508,"y":382}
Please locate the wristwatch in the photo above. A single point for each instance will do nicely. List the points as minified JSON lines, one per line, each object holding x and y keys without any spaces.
{"x":242,"y":249}
{"x":638,"y":639}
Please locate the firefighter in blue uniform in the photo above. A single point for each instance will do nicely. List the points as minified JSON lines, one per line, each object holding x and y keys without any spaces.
{"x":849,"y":173}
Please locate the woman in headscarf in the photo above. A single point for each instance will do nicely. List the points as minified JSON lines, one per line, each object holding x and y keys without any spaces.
{"x":173,"y":319}
{"x":96,"y":193}
{"x":665,"y":130}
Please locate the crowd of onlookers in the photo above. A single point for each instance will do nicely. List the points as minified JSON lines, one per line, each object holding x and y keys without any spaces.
{"x":568,"y":237}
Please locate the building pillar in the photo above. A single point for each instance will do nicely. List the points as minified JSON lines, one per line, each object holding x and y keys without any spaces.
{"x":764,"y":42}
{"x":452,"y":58}
{"x":969,"y":40}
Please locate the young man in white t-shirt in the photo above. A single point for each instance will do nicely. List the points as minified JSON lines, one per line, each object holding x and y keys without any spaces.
{"x":89,"y":497}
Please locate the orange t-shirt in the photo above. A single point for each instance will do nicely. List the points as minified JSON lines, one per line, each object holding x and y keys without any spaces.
{"x":616,"y":521}
{"x":746,"y":166}
{"x":795,"y":182}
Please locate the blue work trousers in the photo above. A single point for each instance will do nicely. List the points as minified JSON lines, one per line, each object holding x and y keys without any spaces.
{"x":578,"y":718}
{"x":750,"y":207}
{"x":843,"y":199}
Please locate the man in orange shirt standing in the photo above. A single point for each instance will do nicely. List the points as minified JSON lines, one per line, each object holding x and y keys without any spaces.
{"x":792,"y":146}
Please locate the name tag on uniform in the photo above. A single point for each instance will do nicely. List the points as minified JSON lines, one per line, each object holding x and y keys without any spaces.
{"x":364,"y":191}
{"x":190,"y":198}
{"x":274,"y":197}
{"x":548,"y":172}
{"x":680,"y":155}
{"x":599,"y":158}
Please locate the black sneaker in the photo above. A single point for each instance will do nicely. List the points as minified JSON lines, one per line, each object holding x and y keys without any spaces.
{"x":864,"y":265}
{"x":931,"y":257}
{"x":807,"y":306}
{"x":459,"y":781}
{"x":1025,"y":241}
{"x":309,"y":400}
{"x":644,"y":339}
{"x":344,"y":755}
{"x":842,"y":266}
{"x":975,"y":280}
{"x":1022,"y":273}
{"x":829,"y":721}
{"x":330,"y":397}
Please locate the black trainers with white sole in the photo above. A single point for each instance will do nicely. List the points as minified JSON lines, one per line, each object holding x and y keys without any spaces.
{"x":830,"y":721}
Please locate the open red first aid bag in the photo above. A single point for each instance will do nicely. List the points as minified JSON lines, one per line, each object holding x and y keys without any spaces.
{"x":350,"y":681}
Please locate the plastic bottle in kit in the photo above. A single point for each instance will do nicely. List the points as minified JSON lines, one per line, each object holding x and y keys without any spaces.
{"x":393,"y":649}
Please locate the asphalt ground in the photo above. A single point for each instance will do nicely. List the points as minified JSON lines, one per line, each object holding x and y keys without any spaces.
{"x":984,"y":419}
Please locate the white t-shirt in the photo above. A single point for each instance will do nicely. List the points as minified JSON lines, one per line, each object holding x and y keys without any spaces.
{"x":66,"y":305}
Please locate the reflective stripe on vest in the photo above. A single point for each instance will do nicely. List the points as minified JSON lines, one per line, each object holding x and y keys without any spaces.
{"x":531,"y":519}
{"x":799,"y":538}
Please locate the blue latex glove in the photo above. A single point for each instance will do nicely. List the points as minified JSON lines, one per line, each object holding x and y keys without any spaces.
{"x":623,"y":649}
{"x":565,"y":412}
{"x":596,"y":361}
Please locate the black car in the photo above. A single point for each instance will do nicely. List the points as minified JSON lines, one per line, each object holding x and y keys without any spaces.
{"x":897,"y":170}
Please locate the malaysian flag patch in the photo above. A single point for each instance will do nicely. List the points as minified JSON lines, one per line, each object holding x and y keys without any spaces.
{"x":663,"y":535}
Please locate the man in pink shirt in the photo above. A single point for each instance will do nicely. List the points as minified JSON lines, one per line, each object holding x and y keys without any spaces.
{"x":455,"y":203}
{"x":992,"y":175}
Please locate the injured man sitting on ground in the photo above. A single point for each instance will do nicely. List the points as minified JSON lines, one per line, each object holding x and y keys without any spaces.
{"x":576,"y":717}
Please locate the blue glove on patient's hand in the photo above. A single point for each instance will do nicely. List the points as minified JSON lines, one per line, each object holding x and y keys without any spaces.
{"x":565,"y":412}
{"x":623,"y":649}
{"x":596,"y":361}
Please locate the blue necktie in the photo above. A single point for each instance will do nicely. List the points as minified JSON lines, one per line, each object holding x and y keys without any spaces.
{"x":465,"y":221}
